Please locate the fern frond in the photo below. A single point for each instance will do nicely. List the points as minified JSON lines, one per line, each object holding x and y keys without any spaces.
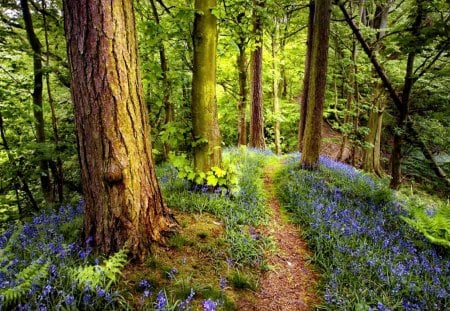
{"x":435,"y":228}
{"x":100,"y":275}
{"x":25,"y":278}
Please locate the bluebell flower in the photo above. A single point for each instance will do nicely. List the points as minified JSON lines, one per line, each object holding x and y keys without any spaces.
{"x":209,"y":305}
{"x":69,"y":299}
{"x":161,"y":302}
{"x":223,"y":282}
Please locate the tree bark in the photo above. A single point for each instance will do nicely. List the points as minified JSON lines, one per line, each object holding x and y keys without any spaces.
{"x":275,"y":88}
{"x":38,"y":109}
{"x":257,"y":139}
{"x":123,"y":202}
{"x":372,"y":153}
{"x":317,"y":82}
{"x":306,"y":76}
{"x":243,"y":94}
{"x":207,"y":150}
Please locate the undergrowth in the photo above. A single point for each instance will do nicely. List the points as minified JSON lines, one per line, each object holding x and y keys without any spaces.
{"x":369,"y":258}
{"x":43,"y":267}
{"x":240,"y":211}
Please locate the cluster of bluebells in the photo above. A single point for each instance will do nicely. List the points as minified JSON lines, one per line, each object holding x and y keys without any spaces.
{"x":35,"y":264}
{"x":367,"y":253}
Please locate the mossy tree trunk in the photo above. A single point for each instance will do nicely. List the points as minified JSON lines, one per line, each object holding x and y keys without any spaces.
{"x":257,"y":111}
{"x":306,"y":76}
{"x":372,"y":153}
{"x":207,"y":149}
{"x":317,"y":81}
{"x":123,"y":202}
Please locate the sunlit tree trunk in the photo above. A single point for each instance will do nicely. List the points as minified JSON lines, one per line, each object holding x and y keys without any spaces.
{"x":306,"y":76}
{"x":123,"y":202}
{"x":317,"y":81}
{"x":275,"y":88}
{"x":207,"y":150}
{"x":257,"y":112}
{"x":38,"y":109}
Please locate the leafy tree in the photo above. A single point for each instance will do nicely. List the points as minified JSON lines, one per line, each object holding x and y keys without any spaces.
{"x":123,"y":202}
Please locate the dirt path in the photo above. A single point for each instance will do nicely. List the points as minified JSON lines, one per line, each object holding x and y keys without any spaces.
{"x":290,"y":285}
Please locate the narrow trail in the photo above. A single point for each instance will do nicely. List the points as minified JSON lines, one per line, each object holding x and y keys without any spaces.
{"x":291,"y":283}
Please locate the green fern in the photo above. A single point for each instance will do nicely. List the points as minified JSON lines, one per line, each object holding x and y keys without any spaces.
{"x":25,"y":278}
{"x":435,"y":228}
{"x":100,"y":275}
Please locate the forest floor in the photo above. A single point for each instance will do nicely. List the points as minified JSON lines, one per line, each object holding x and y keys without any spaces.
{"x":291,"y":282}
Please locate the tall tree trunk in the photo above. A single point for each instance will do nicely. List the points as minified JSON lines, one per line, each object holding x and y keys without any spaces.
{"x":123,"y":202}
{"x":372,"y":153}
{"x":257,"y":111}
{"x":275,"y":88}
{"x":55,"y":168}
{"x":207,"y":151}
{"x":397,"y":154}
{"x":316,"y":92}
{"x":169,"y":111}
{"x":243,"y":94}
{"x":306,"y":76}
{"x":38,"y":110}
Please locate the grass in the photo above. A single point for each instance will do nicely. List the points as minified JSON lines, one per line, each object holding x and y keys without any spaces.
{"x":369,"y":258}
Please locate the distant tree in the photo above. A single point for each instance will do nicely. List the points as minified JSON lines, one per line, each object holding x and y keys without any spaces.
{"x":257,"y":117}
{"x":207,"y":144}
{"x":306,"y":75}
{"x":372,"y":153}
{"x":123,"y":202}
{"x":317,"y":82}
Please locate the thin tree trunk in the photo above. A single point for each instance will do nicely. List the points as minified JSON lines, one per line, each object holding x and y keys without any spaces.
{"x":397,"y":154}
{"x":316,"y":92}
{"x":372,"y":152}
{"x":306,"y":76}
{"x":123,"y":202}
{"x":275,"y":88}
{"x":257,"y":139}
{"x":169,"y":112}
{"x":38,"y":110}
{"x":207,"y":151}
{"x":57,"y":170}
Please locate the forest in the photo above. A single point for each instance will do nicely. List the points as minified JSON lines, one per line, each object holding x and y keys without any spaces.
{"x":225,"y":155}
